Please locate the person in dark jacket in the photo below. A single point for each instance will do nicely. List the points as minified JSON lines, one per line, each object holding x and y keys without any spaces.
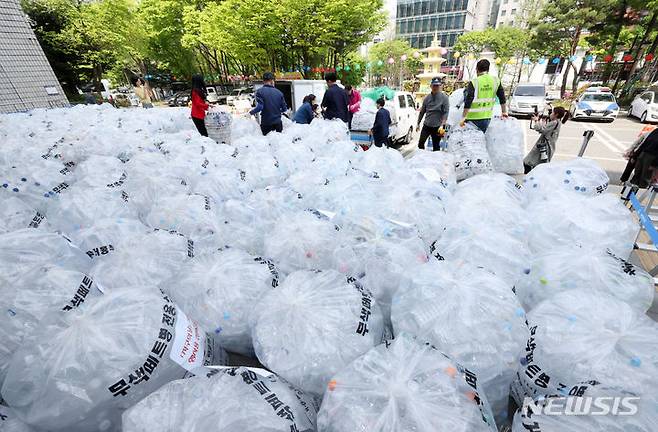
{"x":199,"y":104}
{"x":646,"y":161}
{"x":271,"y":104}
{"x":335,"y":100}
{"x":304,"y":115}
{"x":380,"y":129}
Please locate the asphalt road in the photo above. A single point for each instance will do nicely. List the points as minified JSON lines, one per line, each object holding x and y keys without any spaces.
{"x":606,"y":147}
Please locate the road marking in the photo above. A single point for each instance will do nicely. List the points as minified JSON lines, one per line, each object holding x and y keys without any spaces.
{"x":602,"y":138}
{"x":614,"y":142}
{"x":572,"y":156}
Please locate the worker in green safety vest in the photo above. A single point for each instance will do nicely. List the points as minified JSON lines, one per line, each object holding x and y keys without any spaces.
{"x":480,"y":97}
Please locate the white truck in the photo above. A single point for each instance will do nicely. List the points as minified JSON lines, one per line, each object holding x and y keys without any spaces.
{"x":294,"y":91}
{"x":403,"y":116}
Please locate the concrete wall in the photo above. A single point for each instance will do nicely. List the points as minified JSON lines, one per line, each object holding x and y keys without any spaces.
{"x":26,"y":79}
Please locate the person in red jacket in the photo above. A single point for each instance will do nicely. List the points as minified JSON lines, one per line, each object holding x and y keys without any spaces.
{"x":199,"y":104}
{"x":354,"y":100}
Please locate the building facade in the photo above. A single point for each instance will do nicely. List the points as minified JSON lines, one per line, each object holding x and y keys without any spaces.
{"x":514,"y":12}
{"x":418,"y":20}
{"x":26,"y":79}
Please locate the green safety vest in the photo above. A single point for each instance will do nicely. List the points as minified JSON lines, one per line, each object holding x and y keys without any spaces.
{"x":485,"y":87}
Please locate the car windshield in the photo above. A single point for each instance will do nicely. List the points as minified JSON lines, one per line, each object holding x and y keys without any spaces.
{"x":598,"y":97}
{"x":529,"y":91}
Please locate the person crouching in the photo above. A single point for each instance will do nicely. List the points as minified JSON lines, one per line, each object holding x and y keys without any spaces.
{"x":380,"y":129}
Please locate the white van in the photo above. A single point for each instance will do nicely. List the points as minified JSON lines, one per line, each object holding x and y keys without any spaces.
{"x":525,"y":98}
{"x":403,"y":117}
{"x":294,"y":91}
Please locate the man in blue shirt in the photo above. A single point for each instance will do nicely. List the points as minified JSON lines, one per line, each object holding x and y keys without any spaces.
{"x":335,"y":100}
{"x":271,"y":104}
{"x":380,"y":129}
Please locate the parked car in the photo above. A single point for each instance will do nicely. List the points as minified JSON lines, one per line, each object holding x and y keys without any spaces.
{"x":124,"y":100}
{"x":526,"y":98}
{"x":645,"y":107}
{"x":179,"y":99}
{"x":212,"y":95}
{"x":600,"y":105}
{"x":241,"y":93}
{"x":403,"y":117}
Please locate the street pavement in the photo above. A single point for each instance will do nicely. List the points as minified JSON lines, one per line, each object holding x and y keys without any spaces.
{"x":606,"y":147}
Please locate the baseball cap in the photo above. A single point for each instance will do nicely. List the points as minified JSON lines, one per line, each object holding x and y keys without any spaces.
{"x":268,"y":76}
{"x":436,"y":81}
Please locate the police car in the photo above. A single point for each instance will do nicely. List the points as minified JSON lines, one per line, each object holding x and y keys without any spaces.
{"x":596,"y":103}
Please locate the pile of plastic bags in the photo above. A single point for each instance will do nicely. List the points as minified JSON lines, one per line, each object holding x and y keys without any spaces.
{"x":365,"y":117}
{"x":135,"y":253}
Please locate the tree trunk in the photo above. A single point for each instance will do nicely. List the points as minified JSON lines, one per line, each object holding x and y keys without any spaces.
{"x":638,"y":51}
{"x":648,"y":66}
{"x":565,"y":78}
{"x":98,"y":76}
{"x":615,"y":40}
{"x":576,"y":76}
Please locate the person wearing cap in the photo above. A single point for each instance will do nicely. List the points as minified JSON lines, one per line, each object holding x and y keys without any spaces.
{"x":271,"y":104}
{"x":435,"y":110}
{"x":480,"y":97}
{"x":335,"y":100}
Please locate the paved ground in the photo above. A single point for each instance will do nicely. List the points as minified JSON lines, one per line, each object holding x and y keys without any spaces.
{"x":609,"y":142}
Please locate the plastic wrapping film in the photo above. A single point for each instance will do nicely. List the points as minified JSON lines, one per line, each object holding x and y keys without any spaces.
{"x":404,"y":384}
{"x":582,"y":335}
{"x":469,"y":147}
{"x":312,"y":325}
{"x":83,"y":367}
{"x":483,"y":329}
{"x":435,"y":167}
{"x":573,"y":268}
{"x":505,"y":145}
{"x":224,"y":400}
{"x":220,"y":290}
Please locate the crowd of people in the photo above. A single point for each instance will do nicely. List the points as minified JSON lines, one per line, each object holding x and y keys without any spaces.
{"x":480,"y":96}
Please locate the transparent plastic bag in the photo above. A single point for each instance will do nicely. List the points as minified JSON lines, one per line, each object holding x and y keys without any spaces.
{"x":43,"y":290}
{"x":582,"y":335}
{"x":103,"y":238}
{"x":220,"y":291}
{"x":189,"y":215}
{"x":503,"y":254}
{"x":469,"y":147}
{"x":573,"y":268}
{"x":100,"y":171}
{"x":456,"y":112}
{"x":144,"y":260}
{"x":581,"y":176}
{"x":10,"y":423}
{"x":404,"y":385}
{"x":224,"y":400}
{"x":303,"y":240}
{"x":218,"y":123}
{"x":25,"y":249}
{"x":36,"y":181}
{"x":482,"y":329}
{"x":85,"y":366}
{"x":15,"y":215}
{"x":505,"y":145}
{"x":312,"y":325}
{"x":82,"y":207}
{"x":489,"y":197}
{"x":601,"y":222}
{"x":435,"y":167}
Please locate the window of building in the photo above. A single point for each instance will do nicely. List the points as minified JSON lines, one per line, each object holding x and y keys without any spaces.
{"x":444,"y":39}
{"x":513,"y":12}
{"x":442,"y":23}
{"x":503,"y":13}
{"x":433,"y":6}
{"x":461,"y":21}
{"x":450,"y":22}
{"x":511,"y":23}
{"x":426,"y":24}
{"x":434,"y":24}
{"x":426,"y":7}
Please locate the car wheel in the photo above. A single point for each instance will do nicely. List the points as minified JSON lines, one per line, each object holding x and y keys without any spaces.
{"x":643,"y":118}
{"x":409,"y":137}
